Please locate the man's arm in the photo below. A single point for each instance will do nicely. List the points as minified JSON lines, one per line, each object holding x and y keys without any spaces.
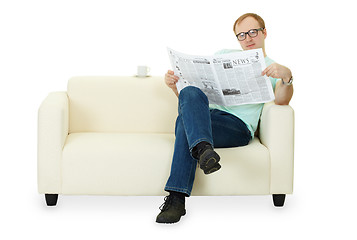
{"x":283,"y":93}
{"x":171,"y":80}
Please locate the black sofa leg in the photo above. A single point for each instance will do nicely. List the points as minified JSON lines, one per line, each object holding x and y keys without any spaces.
{"x":51,"y":199}
{"x":278,"y":200}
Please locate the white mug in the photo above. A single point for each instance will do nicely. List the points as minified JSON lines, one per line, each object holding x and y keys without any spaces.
{"x":143,"y":71}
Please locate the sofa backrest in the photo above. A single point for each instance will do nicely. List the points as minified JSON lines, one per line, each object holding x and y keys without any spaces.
{"x":121,"y":104}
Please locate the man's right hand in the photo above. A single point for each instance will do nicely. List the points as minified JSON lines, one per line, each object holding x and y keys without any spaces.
{"x":171,"y":80}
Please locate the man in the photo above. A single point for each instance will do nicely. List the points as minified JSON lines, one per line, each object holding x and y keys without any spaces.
{"x":201,"y":126}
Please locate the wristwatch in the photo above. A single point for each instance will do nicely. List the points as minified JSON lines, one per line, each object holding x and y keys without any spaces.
{"x":288,"y":83}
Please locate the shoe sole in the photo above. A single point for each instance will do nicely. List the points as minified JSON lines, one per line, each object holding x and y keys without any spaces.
{"x":172,"y":222}
{"x":209,"y":161}
{"x":212,"y":169}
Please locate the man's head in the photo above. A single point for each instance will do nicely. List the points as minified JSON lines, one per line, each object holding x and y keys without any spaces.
{"x":250,"y":31}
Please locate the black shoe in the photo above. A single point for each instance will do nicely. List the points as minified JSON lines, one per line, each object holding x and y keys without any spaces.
{"x":208,"y":159}
{"x":171,"y":210}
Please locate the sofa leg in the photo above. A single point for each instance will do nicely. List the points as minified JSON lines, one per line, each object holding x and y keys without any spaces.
{"x":51,"y":199}
{"x":278,"y":200}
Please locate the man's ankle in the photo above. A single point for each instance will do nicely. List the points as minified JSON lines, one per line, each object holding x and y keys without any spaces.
{"x":178,"y":195}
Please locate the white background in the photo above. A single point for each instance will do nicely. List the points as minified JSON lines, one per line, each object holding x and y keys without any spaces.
{"x":44,"y":43}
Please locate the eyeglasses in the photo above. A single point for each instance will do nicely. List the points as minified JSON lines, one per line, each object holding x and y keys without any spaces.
{"x":252,"y":33}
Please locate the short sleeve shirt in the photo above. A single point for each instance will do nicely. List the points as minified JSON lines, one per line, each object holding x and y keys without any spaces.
{"x":248,"y":113}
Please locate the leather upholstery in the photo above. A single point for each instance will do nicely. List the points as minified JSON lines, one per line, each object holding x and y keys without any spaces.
{"x":115,"y":136}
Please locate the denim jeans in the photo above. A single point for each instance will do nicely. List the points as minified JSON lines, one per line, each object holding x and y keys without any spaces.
{"x":196,"y":123}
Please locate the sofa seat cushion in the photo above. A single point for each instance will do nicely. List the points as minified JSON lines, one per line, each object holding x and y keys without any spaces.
{"x":245,"y":171}
{"x":112,"y":163}
{"x":139,"y":164}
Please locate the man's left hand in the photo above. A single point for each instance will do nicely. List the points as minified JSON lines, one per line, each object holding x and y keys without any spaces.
{"x":278,"y":71}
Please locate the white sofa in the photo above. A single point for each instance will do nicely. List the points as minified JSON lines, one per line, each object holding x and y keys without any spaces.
{"x":115,"y":136}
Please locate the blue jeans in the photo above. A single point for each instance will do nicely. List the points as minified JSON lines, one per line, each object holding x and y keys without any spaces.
{"x":196,"y":123}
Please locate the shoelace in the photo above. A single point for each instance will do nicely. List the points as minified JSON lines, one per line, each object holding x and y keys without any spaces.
{"x":167,"y":203}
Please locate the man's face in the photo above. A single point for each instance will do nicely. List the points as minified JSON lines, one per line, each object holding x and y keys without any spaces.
{"x":249,"y":42}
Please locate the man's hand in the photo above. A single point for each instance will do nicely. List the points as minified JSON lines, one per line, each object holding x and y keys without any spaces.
{"x":278,"y":71}
{"x":283,"y":93}
{"x":171,"y":80}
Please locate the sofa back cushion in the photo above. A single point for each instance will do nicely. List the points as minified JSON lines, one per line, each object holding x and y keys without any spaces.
{"x":121,"y":104}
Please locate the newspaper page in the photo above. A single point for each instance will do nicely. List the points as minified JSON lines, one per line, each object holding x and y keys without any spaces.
{"x":226,"y":79}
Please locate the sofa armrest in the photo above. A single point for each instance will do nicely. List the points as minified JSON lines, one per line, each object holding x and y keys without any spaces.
{"x":52,"y":133}
{"x":277,"y":134}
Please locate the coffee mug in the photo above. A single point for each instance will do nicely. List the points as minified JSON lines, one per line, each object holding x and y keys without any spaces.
{"x":143,"y":71}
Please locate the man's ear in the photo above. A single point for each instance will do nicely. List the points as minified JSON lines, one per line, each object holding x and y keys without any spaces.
{"x":265,"y":33}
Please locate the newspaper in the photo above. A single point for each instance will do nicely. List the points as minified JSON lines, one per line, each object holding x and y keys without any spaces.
{"x":226,"y":79}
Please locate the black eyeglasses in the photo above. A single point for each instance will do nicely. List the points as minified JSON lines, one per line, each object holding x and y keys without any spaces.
{"x":252,"y":33}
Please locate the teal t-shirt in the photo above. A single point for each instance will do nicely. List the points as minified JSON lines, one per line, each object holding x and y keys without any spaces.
{"x":248,"y":113}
